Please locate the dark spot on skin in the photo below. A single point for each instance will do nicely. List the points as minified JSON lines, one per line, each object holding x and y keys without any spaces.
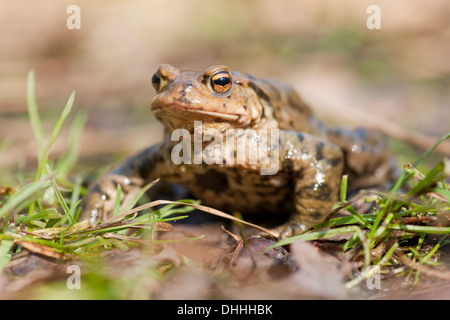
{"x":337,"y":132}
{"x":144,"y":170}
{"x":185,"y":101}
{"x":288,"y":164}
{"x":212,"y":180}
{"x":258,"y":90}
{"x":224,"y":105}
{"x":176,"y":174}
{"x":294,"y":228}
{"x":300,"y":136}
{"x":183,"y":98}
{"x":334,"y":161}
{"x":275,"y":111}
{"x":245,"y":107}
{"x":263,"y":113}
{"x":291,"y":101}
{"x":145,"y":167}
{"x":261,"y":194}
{"x":361,"y":133}
{"x":274,"y":90}
{"x":319,"y":151}
{"x":314,"y":191}
{"x":237,"y":176}
{"x":316,"y":215}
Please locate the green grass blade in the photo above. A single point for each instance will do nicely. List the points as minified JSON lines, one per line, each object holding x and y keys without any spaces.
{"x":19,"y":199}
{"x":315,"y":235}
{"x":174,"y":208}
{"x":443,"y":192}
{"x":117,"y":203}
{"x":5,"y":256}
{"x":405,"y":175}
{"x":46,"y":214}
{"x":57,"y":191}
{"x":66,"y":162}
{"x":33,"y":113}
{"x":343,"y":196}
{"x":343,"y":193}
{"x":358,"y":217}
{"x":128,"y":206}
{"x":428,"y":180}
{"x":353,"y":241}
{"x":420,"y":229}
{"x":54,"y":135}
{"x":369,"y":271}
{"x":76,"y":191}
{"x":34,"y":118}
{"x":430,"y":150}
{"x":433,"y":251}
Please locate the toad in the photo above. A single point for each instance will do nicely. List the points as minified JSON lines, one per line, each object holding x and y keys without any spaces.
{"x":247,"y":145}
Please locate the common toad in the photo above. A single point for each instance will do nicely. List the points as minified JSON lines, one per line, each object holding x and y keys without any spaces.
{"x":247,"y":145}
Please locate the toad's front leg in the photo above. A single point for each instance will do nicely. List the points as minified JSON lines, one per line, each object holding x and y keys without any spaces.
{"x":316,"y":166}
{"x":132,"y":174}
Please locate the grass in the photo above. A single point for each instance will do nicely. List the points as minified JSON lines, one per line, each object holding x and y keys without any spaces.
{"x":400,"y":222}
{"x":41,"y":216}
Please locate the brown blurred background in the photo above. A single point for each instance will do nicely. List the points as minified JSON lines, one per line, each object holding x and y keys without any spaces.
{"x":397,"y":77}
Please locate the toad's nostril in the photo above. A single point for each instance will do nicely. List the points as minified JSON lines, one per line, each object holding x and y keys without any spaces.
{"x":156,"y":81}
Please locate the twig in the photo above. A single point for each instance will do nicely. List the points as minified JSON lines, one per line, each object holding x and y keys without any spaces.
{"x":420,"y":267}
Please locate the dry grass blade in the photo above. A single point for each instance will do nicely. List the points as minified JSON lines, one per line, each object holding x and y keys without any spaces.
{"x":41,"y":249}
{"x":445,"y":275}
{"x":156,"y":226}
{"x":121,"y":237}
{"x":50,"y":233}
{"x":195,"y":206}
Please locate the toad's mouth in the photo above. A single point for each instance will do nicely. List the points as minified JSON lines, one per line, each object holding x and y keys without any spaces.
{"x":176,"y":108}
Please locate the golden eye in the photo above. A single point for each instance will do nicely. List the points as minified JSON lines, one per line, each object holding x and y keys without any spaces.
{"x":221,"y":82}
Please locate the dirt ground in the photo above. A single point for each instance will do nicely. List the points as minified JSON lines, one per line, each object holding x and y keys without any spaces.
{"x":215,"y":267}
{"x":395,"y":79}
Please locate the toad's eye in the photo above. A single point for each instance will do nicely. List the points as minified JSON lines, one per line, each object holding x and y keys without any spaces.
{"x":156,"y":81}
{"x":221,"y":82}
